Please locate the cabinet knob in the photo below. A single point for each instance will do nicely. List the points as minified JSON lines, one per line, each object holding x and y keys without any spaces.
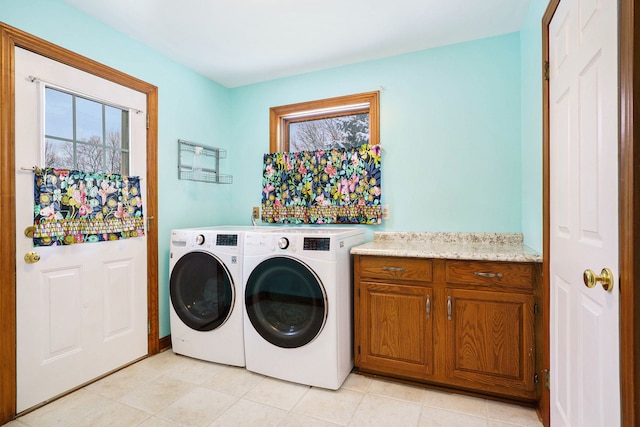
{"x":481,"y":274}
{"x":428,"y":306}
{"x":449,"y":307}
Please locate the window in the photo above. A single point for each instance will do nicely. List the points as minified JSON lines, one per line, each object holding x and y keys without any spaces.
{"x":342,"y":122}
{"x":84,"y":134}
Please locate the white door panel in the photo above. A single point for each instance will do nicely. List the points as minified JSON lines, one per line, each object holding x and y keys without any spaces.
{"x":560,"y":358}
{"x":583,"y":101}
{"x":118,"y":310}
{"x":81,"y":311}
{"x":61,"y":309}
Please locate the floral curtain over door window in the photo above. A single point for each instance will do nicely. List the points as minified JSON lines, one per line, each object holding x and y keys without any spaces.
{"x":72,"y":206}
{"x":322,"y":187}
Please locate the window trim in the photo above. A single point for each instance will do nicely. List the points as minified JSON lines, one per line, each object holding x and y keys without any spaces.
{"x":280,"y":116}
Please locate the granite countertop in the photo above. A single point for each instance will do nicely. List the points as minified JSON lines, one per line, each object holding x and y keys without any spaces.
{"x":469,"y":246}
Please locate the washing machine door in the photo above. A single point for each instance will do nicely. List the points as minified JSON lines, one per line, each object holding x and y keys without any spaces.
{"x":286,"y":302}
{"x":201,"y":291}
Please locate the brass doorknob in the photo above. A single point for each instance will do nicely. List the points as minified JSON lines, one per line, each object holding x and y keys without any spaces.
{"x":605,"y":278}
{"x":31,"y":257}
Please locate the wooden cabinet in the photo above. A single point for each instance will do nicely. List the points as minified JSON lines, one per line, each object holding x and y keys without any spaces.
{"x":396,"y":329}
{"x":459,"y":324}
{"x":489,"y":338}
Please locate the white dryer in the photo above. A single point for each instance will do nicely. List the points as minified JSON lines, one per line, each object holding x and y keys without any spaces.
{"x":298,"y":303}
{"x":205,"y":290}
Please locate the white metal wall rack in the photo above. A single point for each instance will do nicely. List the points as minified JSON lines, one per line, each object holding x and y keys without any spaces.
{"x":197,"y":162}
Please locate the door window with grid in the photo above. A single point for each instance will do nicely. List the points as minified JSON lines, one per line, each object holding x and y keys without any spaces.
{"x":85,"y":134}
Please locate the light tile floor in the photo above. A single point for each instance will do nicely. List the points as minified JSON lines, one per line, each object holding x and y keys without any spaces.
{"x":173,"y":390}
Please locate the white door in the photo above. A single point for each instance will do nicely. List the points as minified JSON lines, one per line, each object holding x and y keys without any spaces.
{"x":81,"y":309}
{"x":583,"y":102}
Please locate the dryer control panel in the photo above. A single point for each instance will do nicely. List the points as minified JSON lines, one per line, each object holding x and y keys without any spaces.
{"x":316,"y":244}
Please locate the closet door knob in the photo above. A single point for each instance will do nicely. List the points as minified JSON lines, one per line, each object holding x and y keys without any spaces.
{"x":605,"y":278}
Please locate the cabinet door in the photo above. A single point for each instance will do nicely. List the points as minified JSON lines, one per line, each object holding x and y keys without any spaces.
{"x":395,"y":329}
{"x":490,"y":341}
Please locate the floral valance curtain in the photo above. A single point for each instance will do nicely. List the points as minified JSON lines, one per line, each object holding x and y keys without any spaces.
{"x":72,"y":206}
{"x":322,"y":187}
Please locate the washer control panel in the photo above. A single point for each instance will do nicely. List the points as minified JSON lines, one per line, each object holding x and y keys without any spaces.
{"x":283,"y":243}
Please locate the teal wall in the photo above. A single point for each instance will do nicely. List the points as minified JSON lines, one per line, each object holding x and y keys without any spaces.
{"x":456,"y":156}
{"x":449,"y":126}
{"x":531,"y":131}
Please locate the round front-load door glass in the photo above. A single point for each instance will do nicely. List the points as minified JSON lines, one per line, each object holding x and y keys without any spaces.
{"x":201,"y":291}
{"x":285,"y":302}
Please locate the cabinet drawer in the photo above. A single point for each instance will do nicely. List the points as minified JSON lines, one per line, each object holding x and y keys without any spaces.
{"x":505,"y":274}
{"x":396,"y":268}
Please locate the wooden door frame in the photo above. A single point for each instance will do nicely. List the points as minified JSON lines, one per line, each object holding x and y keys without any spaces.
{"x":10,"y":38}
{"x":629,"y":211}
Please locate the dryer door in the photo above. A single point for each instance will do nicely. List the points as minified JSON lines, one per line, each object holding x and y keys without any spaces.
{"x":286,"y":302}
{"x":201,"y":291}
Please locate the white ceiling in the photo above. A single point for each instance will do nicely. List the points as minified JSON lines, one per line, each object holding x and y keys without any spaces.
{"x":238,"y":42}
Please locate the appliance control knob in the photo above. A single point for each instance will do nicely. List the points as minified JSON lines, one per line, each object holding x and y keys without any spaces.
{"x":283,"y":243}
{"x":200,"y":239}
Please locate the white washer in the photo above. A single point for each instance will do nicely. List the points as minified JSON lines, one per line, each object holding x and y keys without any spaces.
{"x":205,"y":290}
{"x":298,"y":303}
